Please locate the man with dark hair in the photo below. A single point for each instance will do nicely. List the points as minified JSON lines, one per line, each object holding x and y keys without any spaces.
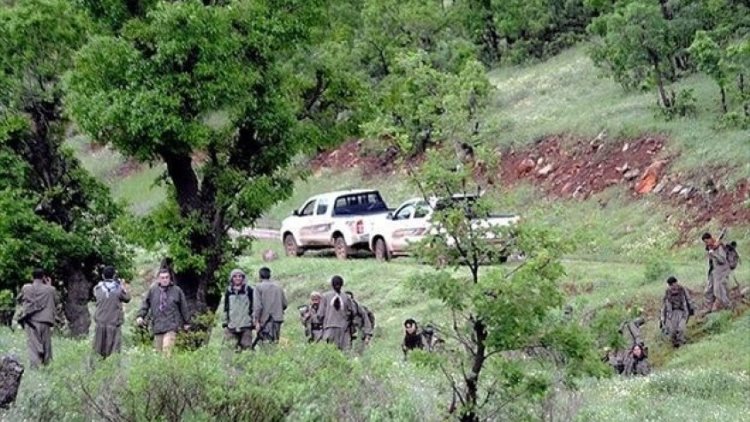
{"x":636,"y":362}
{"x":362,"y":321}
{"x":165,"y":302}
{"x":238,"y":311}
{"x":718,"y":274}
{"x":675,"y":312}
{"x":269,"y":304}
{"x":413,"y":339}
{"x":337,"y":311}
{"x":39,"y":302}
{"x":110,"y":294}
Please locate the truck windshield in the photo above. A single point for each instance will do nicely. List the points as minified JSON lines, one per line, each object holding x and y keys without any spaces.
{"x":359,"y":203}
{"x":464,"y":202}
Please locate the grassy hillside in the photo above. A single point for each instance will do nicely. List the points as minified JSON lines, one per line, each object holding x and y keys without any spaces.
{"x":566,"y":94}
{"x":624,"y":248}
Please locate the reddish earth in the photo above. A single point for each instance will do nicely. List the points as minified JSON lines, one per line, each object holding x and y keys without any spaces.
{"x":567,"y":167}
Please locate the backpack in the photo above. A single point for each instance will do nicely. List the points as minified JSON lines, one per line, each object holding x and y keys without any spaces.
{"x":733,"y":258}
{"x":371,"y":317}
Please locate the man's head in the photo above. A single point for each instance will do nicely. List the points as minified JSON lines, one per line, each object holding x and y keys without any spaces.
{"x":238,"y":277}
{"x":350,"y":294}
{"x":337,"y":282}
{"x":108,"y":273}
{"x":164,"y":277}
{"x":264,"y":273}
{"x":410,"y":326}
{"x":708,"y":240}
{"x":637,"y":351}
{"x":672,"y":280}
{"x":315,"y":298}
{"x":428,"y":329}
{"x":38,"y":274}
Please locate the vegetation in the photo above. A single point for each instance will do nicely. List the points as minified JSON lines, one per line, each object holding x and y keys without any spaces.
{"x":200,"y":116}
{"x":53,"y":214}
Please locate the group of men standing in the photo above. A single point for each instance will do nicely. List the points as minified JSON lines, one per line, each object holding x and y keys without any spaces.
{"x":246,"y":308}
{"x":336,"y":317}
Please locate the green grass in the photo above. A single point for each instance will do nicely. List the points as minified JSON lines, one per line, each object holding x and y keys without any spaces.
{"x":567,"y":94}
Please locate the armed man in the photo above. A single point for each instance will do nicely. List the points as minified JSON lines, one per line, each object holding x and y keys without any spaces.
{"x":39,"y":302}
{"x":362,"y":321}
{"x":675,"y":311}
{"x":269,"y":304}
{"x":312,"y":322}
{"x":718,"y":274}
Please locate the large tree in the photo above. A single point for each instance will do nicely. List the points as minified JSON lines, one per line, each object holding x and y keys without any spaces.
{"x":53,"y":214}
{"x":217,"y":93}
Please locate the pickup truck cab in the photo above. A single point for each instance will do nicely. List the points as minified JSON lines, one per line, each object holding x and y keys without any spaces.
{"x":411,"y":222}
{"x":340,"y":220}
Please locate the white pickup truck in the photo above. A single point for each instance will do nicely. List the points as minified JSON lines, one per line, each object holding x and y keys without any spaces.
{"x":411,"y":222}
{"x":341,"y":220}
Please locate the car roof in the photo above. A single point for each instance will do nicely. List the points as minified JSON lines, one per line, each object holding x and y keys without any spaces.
{"x":338,"y":193}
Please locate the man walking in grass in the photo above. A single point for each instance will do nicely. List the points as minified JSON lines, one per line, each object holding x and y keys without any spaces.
{"x":39,"y":302}
{"x":166,"y":304}
{"x":238,"y":311}
{"x":718,"y":274}
{"x":110,"y":294}
{"x":675,"y":312}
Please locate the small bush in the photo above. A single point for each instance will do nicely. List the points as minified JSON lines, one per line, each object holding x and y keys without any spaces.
{"x":657,"y":269}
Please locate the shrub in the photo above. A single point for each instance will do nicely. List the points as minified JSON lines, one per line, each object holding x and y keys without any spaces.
{"x":657,"y":269}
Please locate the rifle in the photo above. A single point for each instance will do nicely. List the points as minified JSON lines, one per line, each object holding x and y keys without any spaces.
{"x":258,"y":335}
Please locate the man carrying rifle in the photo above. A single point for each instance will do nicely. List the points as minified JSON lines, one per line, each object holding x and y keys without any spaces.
{"x":718,"y":274}
{"x":269,"y":304}
{"x":39,"y":302}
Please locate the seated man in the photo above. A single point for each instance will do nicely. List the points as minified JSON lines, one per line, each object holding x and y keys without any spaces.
{"x":636,"y":362}
{"x":412,"y":338}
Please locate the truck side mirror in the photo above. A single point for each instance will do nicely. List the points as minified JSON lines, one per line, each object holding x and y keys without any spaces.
{"x":389,"y":216}
{"x":295,"y":213}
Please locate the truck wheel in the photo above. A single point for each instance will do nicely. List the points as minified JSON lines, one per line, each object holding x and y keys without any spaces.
{"x":290,"y":246}
{"x":381,"y":251}
{"x":339,"y":245}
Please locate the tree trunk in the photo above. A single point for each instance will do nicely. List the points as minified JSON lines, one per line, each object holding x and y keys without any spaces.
{"x":471,"y":414}
{"x":666,"y":102}
{"x":743,"y":96}
{"x":76,"y":301}
{"x":206,"y":238}
{"x":723,"y":99}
